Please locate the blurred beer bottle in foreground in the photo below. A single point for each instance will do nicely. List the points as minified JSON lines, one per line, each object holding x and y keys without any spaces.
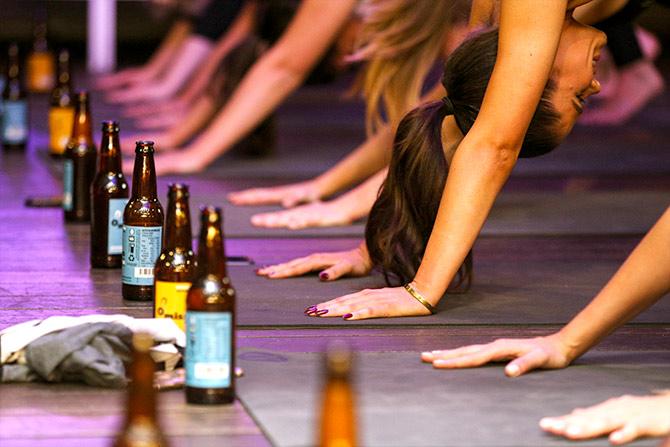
{"x":209,"y":359}
{"x":40,"y":63}
{"x":142,"y":228}
{"x":175,"y":267}
{"x":109,"y":196}
{"x":338,"y":417}
{"x":79,"y":164}
{"x":61,"y":110}
{"x":141,"y":428}
{"x":14,"y":123}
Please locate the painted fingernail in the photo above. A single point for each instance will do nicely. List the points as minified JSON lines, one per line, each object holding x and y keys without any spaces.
{"x":321,"y":312}
{"x":310,"y":308}
{"x":311,"y":311}
{"x":347,"y":316}
{"x":323,"y":276}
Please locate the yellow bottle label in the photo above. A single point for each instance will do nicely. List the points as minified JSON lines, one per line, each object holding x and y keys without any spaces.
{"x":60,"y":128}
{"x":170,"y":300}
{"x":41,"y":72}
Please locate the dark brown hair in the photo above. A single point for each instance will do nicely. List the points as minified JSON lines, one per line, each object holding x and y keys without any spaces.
{"x":403,"y":215}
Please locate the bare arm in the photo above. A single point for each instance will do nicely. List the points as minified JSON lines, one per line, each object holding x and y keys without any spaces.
{"x":487,"y":154}
{"x":277,"y":74}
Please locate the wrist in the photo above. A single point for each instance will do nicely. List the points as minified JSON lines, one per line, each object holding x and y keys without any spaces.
{"x":568,"y":345}
{"x":428,"y":292}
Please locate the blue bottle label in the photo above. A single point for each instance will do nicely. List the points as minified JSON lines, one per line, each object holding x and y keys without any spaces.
{"x":15,"y":122}
{"x":115,"y":226}
{"x":141,"y":247}
{"x":68,"y":183}
{"x":209,"y":343}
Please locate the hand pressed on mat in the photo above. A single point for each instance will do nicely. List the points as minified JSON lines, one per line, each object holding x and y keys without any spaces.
{"x":623,"y":418}
{"x":316,"y":214}
{"x":526,"y":355}
{"x":333,"y":265}
{"x":287,"y":195}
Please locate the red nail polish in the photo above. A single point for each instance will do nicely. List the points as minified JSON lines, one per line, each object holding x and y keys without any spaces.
{"x":323,"y":276}
{"x":347,"y":316}
{"x":321,"y":312}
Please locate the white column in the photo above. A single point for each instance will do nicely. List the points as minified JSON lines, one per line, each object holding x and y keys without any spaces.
{"x":101,"y":35}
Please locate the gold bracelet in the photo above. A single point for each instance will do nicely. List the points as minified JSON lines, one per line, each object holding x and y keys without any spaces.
{"x":417,"y":296}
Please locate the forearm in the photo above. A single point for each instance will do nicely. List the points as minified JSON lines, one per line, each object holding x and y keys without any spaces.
{"x":358,"y":201}
{"x":240,"y":29}
{"x":164,"y":55}
{"x":642,"y":279}
{"x":476,"y":176}
{"x":196,"y":118}
{"x":367,"y":159}
{"x":277,"y":74}
{"x":189,"y":57}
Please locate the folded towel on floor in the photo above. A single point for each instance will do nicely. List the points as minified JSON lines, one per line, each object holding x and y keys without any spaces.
{"x":90,"y":349}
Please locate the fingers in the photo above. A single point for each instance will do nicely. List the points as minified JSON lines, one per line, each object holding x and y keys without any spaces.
{"x":298,"y":266}
{"x":532,"y":360}
{"x":337,"y":271}
{"x":256,"y":196}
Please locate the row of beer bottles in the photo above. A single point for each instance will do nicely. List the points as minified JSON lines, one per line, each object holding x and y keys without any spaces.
{"x":14,"y":123}
{"x":337,"y":426}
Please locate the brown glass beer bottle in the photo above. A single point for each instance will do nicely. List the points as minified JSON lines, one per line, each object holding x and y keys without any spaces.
{"x":142,"y":228}
{"x":14,"y":123}
{"x":338,"y":419}
{"x":175,"y":267}
{"x":210,"y":320}
{"x":79,"y":164}
{"x":141,"y":426}
{"x":109,"y":196}
{"x":61,"y":108}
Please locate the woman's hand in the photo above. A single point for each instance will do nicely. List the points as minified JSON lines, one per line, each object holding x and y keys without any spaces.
{"x":526,"y":355}
{"x":370,"y":303}
{"x":333,"y":265}
{"x":317,"y":214}
{"x":624,"y":419}
{"x":178,"y":162}
{"x":287,"y":195}
{"x":118,"y":79}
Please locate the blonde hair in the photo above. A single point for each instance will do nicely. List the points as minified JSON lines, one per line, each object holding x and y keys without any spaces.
{"x":400,"y":40}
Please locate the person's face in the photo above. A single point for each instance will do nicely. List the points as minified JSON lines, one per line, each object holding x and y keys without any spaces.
{"x":574,"y":71}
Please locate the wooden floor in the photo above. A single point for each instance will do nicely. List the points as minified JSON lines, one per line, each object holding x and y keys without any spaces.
{"x":45,"y":272}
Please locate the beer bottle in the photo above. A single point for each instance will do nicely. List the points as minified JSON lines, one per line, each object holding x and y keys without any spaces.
{"x":61,"y":110}
{"x":79,"y":165}
{"x":40,"y":63}
{"x":175,"y":267}
{"x":109,"y":196}
{"x":338,"y":421}
{"x":14,"y":129}
{"x":209,"y":359}
{"x":142,"y":228}
{"x":141,"y":425}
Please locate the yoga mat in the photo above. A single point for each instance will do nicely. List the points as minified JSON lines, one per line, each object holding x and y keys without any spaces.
{"x":403,"y":402}
{"x":518,"y":292}
{"x":514,"y":213}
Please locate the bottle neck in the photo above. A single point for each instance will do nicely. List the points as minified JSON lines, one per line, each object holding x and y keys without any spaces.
{"x":141,"y":394}
{"x":110,"y":155}
{"x":144,"y":176}
{"x":81,"y":130}
{"x":211,"y":255}
{"x":178,"y":225}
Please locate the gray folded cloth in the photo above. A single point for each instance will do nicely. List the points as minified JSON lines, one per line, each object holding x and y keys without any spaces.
{"x":91,"y":353}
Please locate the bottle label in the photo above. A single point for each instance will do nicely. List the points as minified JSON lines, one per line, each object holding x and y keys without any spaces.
{"x":209,"y":343}
{"x":41,"y":72}
{"x":115,"y":226}
{"x":170,"y":301}
{"x":15,"y":122}
{"x":141,"y":247}
{"x":60,"y":128}
{"x":68,"y":183}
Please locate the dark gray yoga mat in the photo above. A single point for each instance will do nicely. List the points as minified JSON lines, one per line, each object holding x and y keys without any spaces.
{"x":403,"y":402}
{"x":514,"y":213}
{"x":519,"y":292}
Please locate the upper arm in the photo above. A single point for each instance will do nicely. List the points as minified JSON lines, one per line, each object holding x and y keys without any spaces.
{"x":312,"y":30}
{"x":529,"y":34}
